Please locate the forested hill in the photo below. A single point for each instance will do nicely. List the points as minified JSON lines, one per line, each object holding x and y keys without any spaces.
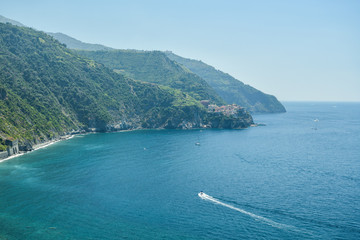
{"x":231,"y":89}
{"x":155,"y":67}
{"x":47,"y":90}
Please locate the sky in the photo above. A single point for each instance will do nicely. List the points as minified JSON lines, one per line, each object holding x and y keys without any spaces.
{"x":305,"y":50}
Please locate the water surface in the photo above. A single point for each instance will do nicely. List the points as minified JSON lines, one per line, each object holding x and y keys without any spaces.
{"x":295,"y":178}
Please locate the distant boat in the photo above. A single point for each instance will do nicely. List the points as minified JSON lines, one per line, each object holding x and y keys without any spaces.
{"x":315,"y":122}
{"x":198,"y":142}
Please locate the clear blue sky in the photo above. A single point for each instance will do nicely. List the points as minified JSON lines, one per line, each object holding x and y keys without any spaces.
{"x":295,"y":50}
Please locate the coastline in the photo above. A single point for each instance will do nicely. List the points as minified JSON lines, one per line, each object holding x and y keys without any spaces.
{"x":39,"y":146}
{"x":51,"y":142}
{"x":67,"y":137}
{"x":46,"y":144}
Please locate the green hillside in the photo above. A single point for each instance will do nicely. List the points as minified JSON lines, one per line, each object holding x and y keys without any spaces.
{"x":231,"y":89}
{"x":194,"y":78}
{"x":152,"y":66}
{"x":47,"y":90}
{"x":155,"y":67}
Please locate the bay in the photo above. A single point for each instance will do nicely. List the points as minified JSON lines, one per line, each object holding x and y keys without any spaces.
{"x":295,"y":178}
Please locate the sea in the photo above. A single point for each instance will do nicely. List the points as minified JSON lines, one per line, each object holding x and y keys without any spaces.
{"x":297,"y":177}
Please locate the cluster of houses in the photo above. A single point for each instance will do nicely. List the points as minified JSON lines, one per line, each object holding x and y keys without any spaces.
{"x":228,"y":110}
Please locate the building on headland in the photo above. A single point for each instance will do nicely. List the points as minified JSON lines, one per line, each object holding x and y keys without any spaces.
{"x":228,"y":110}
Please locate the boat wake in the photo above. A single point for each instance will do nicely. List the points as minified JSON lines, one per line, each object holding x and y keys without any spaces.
{"x":256,"y":217}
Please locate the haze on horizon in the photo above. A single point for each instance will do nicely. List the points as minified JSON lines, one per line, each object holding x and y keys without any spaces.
{"x":296,"y":50}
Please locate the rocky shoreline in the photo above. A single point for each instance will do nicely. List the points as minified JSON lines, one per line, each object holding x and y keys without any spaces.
{"x":226,"y":117}
{"x":27,"y":148}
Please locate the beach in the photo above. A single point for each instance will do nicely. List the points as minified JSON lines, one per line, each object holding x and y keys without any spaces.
{"x":37,"y":147}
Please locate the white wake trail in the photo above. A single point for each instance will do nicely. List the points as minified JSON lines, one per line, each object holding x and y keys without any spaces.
{"x":257,"y":217}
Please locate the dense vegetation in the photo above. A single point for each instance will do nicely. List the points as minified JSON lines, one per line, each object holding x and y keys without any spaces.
{"x":231,"y":89}
{"x":155,"y":67}
{"x":47,"y":90}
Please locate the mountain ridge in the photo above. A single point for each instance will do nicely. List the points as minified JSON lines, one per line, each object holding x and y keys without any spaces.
{"x":230,"y":89}
{"x":234,"y":91}
{"x":8,"y":20}
{"x":227,"y":87}
{"x":77,"y":44}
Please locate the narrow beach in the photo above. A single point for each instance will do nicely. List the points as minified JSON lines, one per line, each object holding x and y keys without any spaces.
{"x":38,"y":146}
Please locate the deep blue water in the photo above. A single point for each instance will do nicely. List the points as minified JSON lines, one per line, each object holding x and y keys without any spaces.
{"x":285,"y":180}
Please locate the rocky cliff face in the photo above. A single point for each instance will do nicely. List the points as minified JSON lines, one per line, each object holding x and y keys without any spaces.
{"x":204,"y":119}
{"x":188,"y":117}
{"x":239,"y":121}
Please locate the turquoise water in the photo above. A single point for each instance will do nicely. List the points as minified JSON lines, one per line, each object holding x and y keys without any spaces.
{"x":286,"y":180}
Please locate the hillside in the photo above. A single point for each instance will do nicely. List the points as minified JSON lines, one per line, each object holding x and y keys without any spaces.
{"x":231,"y":89}
{"x":139,"y":65}
{"x":47,"y":90}
{"x":155,"y":67}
